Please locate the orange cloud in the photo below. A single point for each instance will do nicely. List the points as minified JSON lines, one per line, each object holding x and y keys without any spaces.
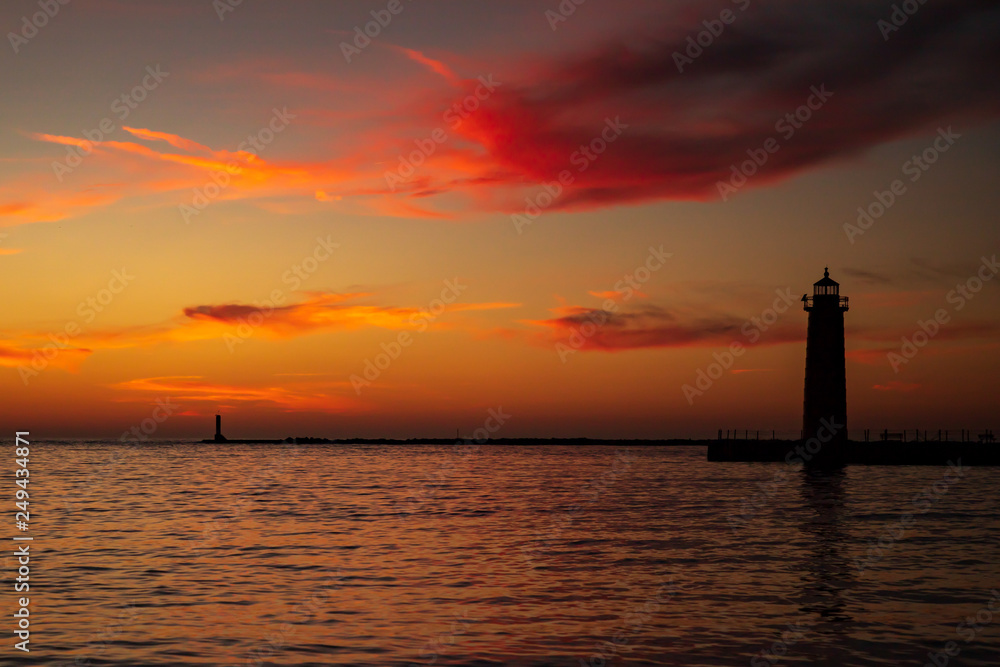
{"x":622,"y":94}
{"x":37,"y":359}
{"x":316,"y":312}
{"x":323,"y":311}
{"x":172,"y":139}
{"x":34,"y":204}
{"x":142,"y":170}
{"x":329,"y":397}
{"x":433,"y":65}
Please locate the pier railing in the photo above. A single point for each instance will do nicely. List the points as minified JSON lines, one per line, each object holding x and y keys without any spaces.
{"x":808,"y":302}
{"x":929,"y":435}
{"x":868,"y":435}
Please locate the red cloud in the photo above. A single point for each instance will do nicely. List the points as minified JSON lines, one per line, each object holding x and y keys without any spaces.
{"x":539,"y":119}
{"x":686,"y":129}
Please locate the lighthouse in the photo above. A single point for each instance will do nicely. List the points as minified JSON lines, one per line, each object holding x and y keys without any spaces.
{"x":218,"y":429}
{"x":824,"y":414}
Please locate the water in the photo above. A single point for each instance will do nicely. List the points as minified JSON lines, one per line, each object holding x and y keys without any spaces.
{"x":342,"y":555}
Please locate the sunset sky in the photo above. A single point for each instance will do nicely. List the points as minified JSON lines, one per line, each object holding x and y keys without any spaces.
{"x":388,"y":197}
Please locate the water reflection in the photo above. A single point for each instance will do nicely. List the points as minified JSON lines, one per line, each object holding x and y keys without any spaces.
{"x":228,"y":553}
{"x":827,"y":574}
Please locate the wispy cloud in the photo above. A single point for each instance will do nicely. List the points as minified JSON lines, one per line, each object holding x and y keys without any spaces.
{"x":685,"y":129}
{"x":314,"y":312}
{"x":896,"y":385}
{"x":303,"y":396}
{"x":647,"y":326}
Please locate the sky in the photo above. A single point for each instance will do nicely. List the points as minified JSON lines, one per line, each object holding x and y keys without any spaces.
{"x":569,"y":213}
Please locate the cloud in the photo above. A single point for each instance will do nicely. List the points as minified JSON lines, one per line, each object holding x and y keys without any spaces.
{"x":26,"y":201}
{"x":896,"y":299}
{"x":918,"y":271}
{"x":314,"y":312}
{"x":950,"y":331}
{"x":615,"y":295}
{"x":649,"y":326}
{"x":436,"y":66}
{"x":139,"y":170}
{"x":896,"y":385}
{"x":684,"y":128}
{"x":172,"y":139}
{"x":871,"y":356}
{"x":965,"y":332}
{"x":325,"y":311}
{"x":326,"y":397}
{"x":869,"y":277}
{"x":16,"y":354}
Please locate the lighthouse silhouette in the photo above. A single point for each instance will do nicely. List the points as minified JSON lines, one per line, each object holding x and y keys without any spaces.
{"x":824,"y":414}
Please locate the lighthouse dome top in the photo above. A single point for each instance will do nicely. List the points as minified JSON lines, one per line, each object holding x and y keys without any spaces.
{"x":826,"y":285}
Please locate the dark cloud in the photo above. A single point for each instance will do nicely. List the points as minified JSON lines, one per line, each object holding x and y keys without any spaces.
{"x":222,"y":313}
{"x":687,"y":129}
{"x":651,"y":327}
{"x":920,"y":271}
{"x":869,"y":277}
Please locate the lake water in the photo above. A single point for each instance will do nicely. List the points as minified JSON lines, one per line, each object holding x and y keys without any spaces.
{"x":172,"y":554}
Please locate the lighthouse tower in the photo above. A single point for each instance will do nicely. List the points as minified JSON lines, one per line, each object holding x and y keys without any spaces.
{"x":218,"y":429}
{"x":826,"y":378}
